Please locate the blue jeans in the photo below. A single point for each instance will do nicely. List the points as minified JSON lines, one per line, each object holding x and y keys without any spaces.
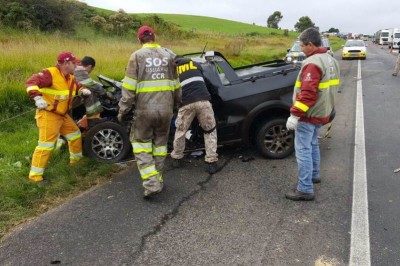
{"x":307,"y":155}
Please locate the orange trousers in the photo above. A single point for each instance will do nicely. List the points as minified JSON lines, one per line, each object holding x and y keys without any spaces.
{"x":50,"y":126}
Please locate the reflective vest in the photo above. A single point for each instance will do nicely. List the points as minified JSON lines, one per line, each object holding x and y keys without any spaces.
{"x":327,"y":87}
{"x":59,"y":95}
{"x":151,"y":78}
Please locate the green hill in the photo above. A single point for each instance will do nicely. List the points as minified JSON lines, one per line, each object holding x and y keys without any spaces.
{"x":210,"y":24}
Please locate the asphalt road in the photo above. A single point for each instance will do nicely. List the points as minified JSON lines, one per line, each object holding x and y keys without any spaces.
{"x":382,"y":128}
{"x":238,"y":216}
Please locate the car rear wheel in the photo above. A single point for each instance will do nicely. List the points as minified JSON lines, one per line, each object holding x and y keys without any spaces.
{"x":107,"y":142}
{"x":273,"y":140}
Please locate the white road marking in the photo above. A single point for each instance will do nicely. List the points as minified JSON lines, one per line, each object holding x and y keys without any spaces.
{"x":360,"y":245}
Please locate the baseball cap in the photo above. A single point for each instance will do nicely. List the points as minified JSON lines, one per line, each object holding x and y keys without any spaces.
{"x":145,"y":31}
{"x":66,"y":57}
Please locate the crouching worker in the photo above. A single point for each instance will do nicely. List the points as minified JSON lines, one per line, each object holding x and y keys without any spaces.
{"x":195,"y":103}
{"x":52,"y":89}
{"x":92,"y":104}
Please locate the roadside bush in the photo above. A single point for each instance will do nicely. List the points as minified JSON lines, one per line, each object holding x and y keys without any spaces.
{"x":46,"y":15}
{"x":285,"y":32}
{"x":253,"y":34}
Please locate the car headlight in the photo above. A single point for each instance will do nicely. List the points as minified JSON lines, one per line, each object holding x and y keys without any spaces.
{"x":289,"y":59}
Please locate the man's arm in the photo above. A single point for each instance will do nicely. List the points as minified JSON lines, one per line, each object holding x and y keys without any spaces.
{"x":177,"y":88}
{"x":83,"y":77}
{"x":129,"y":86}
{"x":42,"y":79}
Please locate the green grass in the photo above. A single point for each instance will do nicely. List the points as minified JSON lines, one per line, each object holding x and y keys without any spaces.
{"x":25,"y":53}
{"x":217,"y":25}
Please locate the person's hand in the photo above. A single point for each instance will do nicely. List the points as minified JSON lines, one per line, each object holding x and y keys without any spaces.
{"x":40,"y":103}
{"x":85,"y":92}
{"x":121,"y":117}
{"x":110,"y":95}
{"x":292,"y":122}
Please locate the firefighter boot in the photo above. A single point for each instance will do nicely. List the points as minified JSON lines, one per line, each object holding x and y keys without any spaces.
{"x":39,"y":180}
{"x":148,"y":193}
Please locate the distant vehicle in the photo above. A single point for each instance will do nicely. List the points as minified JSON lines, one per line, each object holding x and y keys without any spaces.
{"x":295,"y":55}
{"x":396,"y":38}
{"x":326,"y":44}
{"x":386,"y":37}
{"x":354,"y":49}
{"x":377,"y":37}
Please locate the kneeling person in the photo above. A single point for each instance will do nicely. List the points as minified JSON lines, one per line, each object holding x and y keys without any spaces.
{"x":195,"y":103}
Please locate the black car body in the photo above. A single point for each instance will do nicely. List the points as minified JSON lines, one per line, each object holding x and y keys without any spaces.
{"x":251,"y":105}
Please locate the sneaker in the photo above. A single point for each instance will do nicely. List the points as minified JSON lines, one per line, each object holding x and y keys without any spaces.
{"x":177,"y":163}
{"x":394,"y":74}
{"x":296,"y":195}
{"x":212,"y":168}
{"x":316,"y":180}
{"x":148,"y":193}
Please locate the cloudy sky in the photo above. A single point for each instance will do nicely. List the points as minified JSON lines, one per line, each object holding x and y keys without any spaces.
{"x":355,"y":16}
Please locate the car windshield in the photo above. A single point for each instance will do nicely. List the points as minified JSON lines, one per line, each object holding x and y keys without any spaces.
{"x":296,"y":47}
{"x":325,"y":43}
{"x":354,"y":44}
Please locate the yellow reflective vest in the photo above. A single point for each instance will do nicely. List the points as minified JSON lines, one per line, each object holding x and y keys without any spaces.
{"x":61,"y":92}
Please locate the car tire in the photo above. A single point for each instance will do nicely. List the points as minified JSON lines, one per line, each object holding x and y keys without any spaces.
{"x":273,"y":140}
{"x":107,"y":142}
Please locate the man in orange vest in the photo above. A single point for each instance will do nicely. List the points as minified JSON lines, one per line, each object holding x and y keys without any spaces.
{"x":53,"y":89}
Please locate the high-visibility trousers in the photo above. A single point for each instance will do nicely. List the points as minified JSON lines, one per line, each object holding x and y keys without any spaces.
{"x":50,"y":126}
{"x":149,"y":138}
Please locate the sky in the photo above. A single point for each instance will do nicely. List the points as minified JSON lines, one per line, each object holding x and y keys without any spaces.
{"x":355,"y":16}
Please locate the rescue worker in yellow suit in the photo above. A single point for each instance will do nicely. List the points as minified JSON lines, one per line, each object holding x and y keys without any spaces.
{"x":53,"y":89}
{"x":152,"y":89}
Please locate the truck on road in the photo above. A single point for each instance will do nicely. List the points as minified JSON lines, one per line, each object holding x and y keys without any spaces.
{"x":386,"y":37}
{"x":396,"y":38}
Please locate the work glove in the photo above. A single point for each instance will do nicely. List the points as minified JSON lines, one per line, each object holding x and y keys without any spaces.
{"x":110,"y":95}
{"x":40,"y":103}
{"x":121,"y":117}
{"x":292,"y":122}
{"x":85,"y":92}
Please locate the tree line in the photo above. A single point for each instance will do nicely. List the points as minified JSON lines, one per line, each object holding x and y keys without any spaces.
{"x":303,"y":23}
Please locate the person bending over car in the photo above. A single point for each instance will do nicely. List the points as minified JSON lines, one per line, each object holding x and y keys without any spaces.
{"x":92,"y":104}
{"x":152,"y":89}
{"x":195,"y":103}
